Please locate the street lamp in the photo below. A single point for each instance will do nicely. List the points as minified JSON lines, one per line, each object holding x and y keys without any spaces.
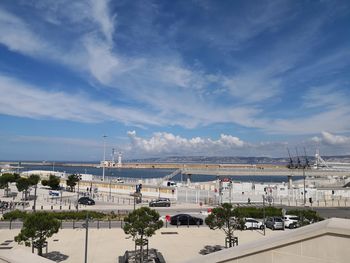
{"x":86,"y":226}
{"x":304,"y":177}
{"x":104,"y":157}
{"x":263,"y":197}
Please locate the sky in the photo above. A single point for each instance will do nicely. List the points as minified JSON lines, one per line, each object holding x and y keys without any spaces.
{"x":173,"y":78}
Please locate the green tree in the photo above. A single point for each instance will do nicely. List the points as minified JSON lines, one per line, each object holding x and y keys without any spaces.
{"x":23,"y":185}
{"x":224,"y":217}
{"x":44,"y":182}
{"x":37,"y":227}
{"x":72,"y":181}
{"x":140,"y":224}
{"x":34,"y":179}
{"x":5,"y":179}
{"x":54,"y":182}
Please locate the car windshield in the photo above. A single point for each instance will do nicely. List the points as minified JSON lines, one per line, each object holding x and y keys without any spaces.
{"x":278,"y":219}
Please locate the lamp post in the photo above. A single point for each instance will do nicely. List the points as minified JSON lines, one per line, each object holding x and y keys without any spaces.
{"x":34,"y":205}
{"x":79,"y":176}
{"x":304,"y":186}
{"x":264,"y":212}
{"x":86,"y":226}
{"x":104,"y":157}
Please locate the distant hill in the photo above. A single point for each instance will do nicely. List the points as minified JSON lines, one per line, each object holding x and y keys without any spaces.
{"x":234,"y":160}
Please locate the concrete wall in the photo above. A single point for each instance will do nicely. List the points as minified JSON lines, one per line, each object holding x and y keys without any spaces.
{"x":326,"y":248}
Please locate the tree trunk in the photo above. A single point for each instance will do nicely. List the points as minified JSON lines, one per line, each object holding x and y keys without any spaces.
{"x":141,"y":250}
{"x":40,"y":250}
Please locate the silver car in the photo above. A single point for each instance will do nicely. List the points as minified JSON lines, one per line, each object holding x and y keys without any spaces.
{"x":274,"y":223}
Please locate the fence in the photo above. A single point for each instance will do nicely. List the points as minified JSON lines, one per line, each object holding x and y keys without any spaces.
{"x":294,"y":198}
{"x":79,"y":224}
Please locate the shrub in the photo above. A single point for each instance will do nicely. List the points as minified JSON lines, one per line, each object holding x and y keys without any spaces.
{"x":306,"y":216}
{"x":65,"y":215}
{"x":13,"y":215}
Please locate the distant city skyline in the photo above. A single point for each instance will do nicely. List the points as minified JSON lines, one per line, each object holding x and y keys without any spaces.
{"x":173,"y":78}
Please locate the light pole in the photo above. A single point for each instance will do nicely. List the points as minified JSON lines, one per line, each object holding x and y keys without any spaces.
{"x":104,"y":157}
{"x":79,"y":177}
{"x":86,"y":226}
{"x":35,"y":187}
{"x":304,"y":186}
{"x":264,"y":211}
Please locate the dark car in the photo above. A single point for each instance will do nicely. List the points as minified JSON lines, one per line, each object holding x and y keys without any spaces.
{"x":86,"y":201}
{"x":184,"y":219}
{"x":161,"y":202}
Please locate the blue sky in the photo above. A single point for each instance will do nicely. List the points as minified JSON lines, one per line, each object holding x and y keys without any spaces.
{"x":241,"y":78}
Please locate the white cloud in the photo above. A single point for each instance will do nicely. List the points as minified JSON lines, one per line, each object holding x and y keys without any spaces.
{"x":168,"y":143}
{"x":20,"y":99}
{"x":15,"y":34}
{"x":332,"y":139}
{"x":101,"y":15}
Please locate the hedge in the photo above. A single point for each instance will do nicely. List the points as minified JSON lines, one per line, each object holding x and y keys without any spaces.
{"x":66,"y":215}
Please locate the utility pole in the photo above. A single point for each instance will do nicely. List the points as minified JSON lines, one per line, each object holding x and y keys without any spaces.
{"x":86,"y":226}
{"x":104,"y":157}
{"x":304,"y":186}
{"x":78,"y":194}
{"x":264,"y":212}
{"x":35,"y":187}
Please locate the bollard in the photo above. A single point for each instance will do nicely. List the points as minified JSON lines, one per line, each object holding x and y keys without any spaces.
{"x":69,"y":207}
{"x":42,"y":207}
{"x":166,"y":223}
{"x":73,"y":224}
{"x":52,"y":207}
{"x":109,"y":223}
{"x":60,"y":207}
{"x":61,"y":224}
{"x":10,"y":223}
{"x":188,"y":222}
{"x":98,"y":224}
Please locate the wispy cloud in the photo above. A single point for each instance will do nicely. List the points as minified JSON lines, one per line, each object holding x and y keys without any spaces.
{"x":21,"y":99}
{"x":16,"y":35}
{"x":166,"y":88}
{"x":57,"y":140}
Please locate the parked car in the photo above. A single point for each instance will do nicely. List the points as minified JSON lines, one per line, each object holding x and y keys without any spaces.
{"x":161,"y":202}
{"x":294,"y":225}
{"x":86,"y":201}
{"x":290,"y":220}
{"x":184,"y":219}
{"x":274,"y":223}
{"x":251,"y":223}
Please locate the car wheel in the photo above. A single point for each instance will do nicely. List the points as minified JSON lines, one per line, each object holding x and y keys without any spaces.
{"x":262,"y":227}
{"x":273,"y":227}
{"x":244,"y":227}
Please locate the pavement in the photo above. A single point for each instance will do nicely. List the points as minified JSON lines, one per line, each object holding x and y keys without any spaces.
{"x":105,"y":245}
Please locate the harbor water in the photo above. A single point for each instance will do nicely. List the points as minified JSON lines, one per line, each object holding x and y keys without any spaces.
{"x":150,"y":173}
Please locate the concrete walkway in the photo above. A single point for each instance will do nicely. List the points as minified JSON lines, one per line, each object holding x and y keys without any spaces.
{"x":105,"y":245}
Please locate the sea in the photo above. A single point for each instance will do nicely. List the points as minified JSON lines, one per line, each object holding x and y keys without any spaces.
{"x":151,"y":173}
